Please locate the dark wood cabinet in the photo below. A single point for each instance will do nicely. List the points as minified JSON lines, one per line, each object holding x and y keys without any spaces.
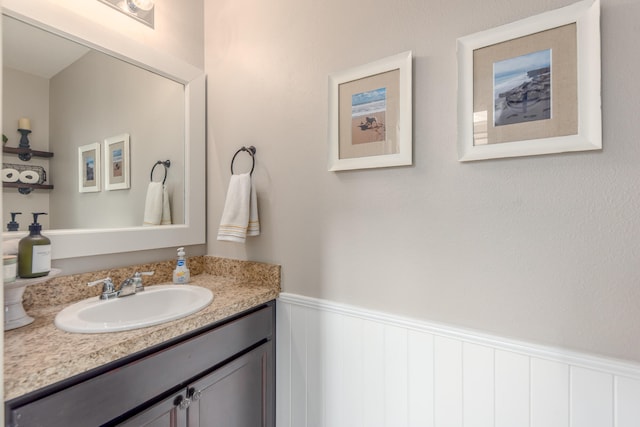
{"x":239,"y":394}
{"x":224,"y":372}
{"x":167,"y":413}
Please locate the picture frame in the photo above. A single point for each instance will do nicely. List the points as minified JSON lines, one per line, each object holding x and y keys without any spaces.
{"x":89,"y":174}
{"x":370,"y":115}
{"x":116,"y":162}
{"x":531,"y":87}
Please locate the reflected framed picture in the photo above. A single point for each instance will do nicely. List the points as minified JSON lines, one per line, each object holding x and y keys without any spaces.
{"x":370,"y":115}
{"x":89,"y":168}
{"x":531,"y":87}
{"x":116,"y":162}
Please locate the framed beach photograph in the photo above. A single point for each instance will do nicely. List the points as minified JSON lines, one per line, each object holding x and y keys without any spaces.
{"x":370,"y":115}
{"x":531,"y":87}
{"x":89,"y":168}
{"x":116,"y":162}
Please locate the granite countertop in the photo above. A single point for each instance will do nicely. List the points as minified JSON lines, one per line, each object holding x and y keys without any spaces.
{"x":40,"y":354}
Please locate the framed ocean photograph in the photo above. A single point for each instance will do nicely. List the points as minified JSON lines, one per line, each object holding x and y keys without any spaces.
{"x":116,"y":162}
{"x":89,"y":168}
{"x":522,"y":88}
{"x":531,"y":87}
{"x":370,"y":115}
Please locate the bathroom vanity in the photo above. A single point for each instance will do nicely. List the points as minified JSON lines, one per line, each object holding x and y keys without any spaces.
{"x":224,"y":372}
{"x":214,"y":367}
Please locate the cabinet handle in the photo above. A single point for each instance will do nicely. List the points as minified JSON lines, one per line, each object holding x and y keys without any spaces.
{"x":181,"y":402}
{"x":193,"y":394}
{"x":185,"y":404}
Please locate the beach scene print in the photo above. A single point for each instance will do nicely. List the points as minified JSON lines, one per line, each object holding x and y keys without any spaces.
{"x":522,"y":88}
{"x":89,"y":169}
{"x":368,"y":111}
{"x":116,"y":162}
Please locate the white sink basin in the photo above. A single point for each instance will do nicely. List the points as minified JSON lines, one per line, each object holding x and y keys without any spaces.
{"x":156,"y":304}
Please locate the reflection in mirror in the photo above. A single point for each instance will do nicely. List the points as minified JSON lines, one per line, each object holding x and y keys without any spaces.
{"x":91,"y":242}
{"x":75,"y":96}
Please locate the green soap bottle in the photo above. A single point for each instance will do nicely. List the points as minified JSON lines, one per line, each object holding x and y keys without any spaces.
{"x":34,"y":252}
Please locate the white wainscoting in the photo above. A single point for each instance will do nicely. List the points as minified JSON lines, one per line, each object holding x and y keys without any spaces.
{"x":342,"y":366}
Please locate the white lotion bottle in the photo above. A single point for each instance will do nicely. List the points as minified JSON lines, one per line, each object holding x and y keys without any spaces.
{"x":181,"y":273}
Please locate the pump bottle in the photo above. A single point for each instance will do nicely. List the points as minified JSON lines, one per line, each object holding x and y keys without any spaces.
{"x":181,"y":273}
{"x":34,"y":252}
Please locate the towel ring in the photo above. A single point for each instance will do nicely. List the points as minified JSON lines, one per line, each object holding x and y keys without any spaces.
{"x":252,"y":151}
{"x":166,"y":164}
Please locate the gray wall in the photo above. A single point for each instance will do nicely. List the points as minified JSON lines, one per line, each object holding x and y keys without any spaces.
{"x":99,"y":97}
{"x":543,"y":249}
{"x":25,"y":95}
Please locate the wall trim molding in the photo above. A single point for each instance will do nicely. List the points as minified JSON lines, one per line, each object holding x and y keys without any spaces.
{"x":571,"y":357}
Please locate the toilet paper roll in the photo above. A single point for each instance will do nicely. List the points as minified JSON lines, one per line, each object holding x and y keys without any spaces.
{"x":29,"y":177}
{"x":10,"y":175}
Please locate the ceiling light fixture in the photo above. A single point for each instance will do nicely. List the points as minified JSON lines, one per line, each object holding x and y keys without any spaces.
{"x":136,"y":5}
{"x":140,"y":10}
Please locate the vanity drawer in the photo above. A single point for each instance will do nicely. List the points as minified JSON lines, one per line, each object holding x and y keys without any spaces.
{"x":101,"y":398}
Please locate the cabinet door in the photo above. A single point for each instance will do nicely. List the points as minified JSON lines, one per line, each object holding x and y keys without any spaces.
{"x":171,"y":412}
{"x":240,"y":394}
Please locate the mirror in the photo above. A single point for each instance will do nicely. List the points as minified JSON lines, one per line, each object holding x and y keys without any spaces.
{"x":155,"y":99}
{"x":74,"y":96}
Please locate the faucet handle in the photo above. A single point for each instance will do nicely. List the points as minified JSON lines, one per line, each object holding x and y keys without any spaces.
{"x":108,"y":289}
{"x":144,"y":273}
{"x":107,"y":282}
{"x":137,"y":279}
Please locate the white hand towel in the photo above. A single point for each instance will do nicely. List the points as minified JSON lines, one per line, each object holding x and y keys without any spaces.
{"x":166,"y":208}
{"x":10,"y":175}
{"x":253,"y":229}
{"x":240,"y":214}
{"x":157,"y":210}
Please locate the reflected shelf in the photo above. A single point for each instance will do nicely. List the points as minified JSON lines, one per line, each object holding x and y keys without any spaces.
{"x":36,"y":153}
{"x":31,"y":186}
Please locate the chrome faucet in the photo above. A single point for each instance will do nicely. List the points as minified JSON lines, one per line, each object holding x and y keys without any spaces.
{"x":129,"y":286}
{"x":108,"y":290}
{"x":133,"y":284}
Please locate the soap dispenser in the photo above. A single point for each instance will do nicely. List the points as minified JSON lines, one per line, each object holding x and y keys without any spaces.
{"x":181,"y":273}
{"x":34,"y":252}
{"x":13,"y":225}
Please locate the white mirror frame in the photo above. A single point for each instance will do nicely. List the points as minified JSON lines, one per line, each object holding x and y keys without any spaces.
{"x":91,"y":242}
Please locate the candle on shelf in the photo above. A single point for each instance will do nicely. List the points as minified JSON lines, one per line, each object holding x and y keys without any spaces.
{"x":24,"y":127}
{"x":24,"y":123}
